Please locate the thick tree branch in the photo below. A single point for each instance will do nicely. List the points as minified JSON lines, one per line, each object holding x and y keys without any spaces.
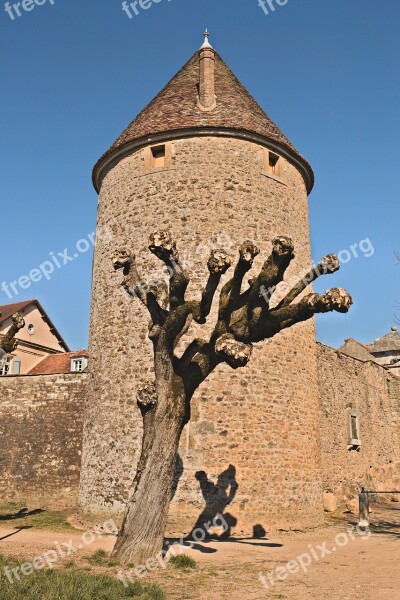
{"x":164,"y":247}
{"x":133,"y":285}
{"x":274,"y":321}
{"x":218,"y":264}
{"x":328,"y":265}
{"x":272,"y":272}
{"x":247,"y":253}
{"x":336,"y":299}
{"x":200,"y":360}
{"x":194,"y":347}
{"x":178,"y":322}
{"x":235,"y":353}
{"x":8,"y":342}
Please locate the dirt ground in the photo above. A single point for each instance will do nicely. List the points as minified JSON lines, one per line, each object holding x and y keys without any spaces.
{"x":333,"y":562}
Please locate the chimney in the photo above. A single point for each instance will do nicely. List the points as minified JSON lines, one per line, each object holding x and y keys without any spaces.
{"x":207,"y":99}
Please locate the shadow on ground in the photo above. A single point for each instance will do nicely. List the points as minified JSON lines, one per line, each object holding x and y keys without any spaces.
{"x":384,"y":520}
{"x":22,"y":513}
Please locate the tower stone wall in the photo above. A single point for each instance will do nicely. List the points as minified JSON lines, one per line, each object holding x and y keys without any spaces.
{"x":260,"y":425}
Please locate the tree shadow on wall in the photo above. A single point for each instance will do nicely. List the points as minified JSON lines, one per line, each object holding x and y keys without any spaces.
{"x":217,"y":497}
{"x":177,"y":475}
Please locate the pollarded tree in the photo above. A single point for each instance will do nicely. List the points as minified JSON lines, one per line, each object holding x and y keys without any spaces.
{"x":8,"y":342}
{"x":244,"y":318}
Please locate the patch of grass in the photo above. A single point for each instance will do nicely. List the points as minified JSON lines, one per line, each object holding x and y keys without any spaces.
{"x":100,"y":558}
{"x":70,"y":584}
{"x":11,"y":505}
{"x":183,"y":562}
{"x":113,"y":563}
{"x":16,"y":515}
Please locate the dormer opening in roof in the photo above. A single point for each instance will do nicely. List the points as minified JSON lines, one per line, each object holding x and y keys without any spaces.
{"x":207,"y":100}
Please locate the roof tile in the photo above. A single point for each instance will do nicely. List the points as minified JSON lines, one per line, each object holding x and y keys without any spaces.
{"x":57,"y":363}
{"x":8,"y":310}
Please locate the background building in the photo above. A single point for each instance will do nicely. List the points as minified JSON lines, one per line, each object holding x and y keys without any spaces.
{"x":38,"y":339}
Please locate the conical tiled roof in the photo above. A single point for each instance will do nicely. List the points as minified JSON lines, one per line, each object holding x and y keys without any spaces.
{"x":175,"y":109}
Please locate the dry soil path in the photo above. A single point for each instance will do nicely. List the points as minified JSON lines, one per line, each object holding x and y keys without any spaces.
{"x":333,"y":562}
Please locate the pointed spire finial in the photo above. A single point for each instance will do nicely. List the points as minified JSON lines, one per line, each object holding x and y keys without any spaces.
{"x":206,"y":43}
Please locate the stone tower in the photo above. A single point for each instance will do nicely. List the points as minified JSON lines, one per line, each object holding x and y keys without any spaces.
{"x":204,"y":161}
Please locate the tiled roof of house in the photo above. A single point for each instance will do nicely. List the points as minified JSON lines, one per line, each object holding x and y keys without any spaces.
{"x":8,"y":310}
{"x":175,"y":108}
{"x":355,"y":349}
{"x":57,"y":363}
{"x":387,"y":343}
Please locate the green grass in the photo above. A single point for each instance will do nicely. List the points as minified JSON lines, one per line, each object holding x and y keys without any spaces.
{"x":17,"y":515}
{"x":183,"y":562}
{"x":71,"y":584}
{"x":100,"y":558}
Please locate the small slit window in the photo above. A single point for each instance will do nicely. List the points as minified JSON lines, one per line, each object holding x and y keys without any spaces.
{"x":158,"y":154}
{"x":354,"y":442}
{"x":273,"y":165}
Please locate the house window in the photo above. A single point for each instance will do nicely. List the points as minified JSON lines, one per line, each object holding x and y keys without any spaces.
{"x":31,"y":329}
{"x":354,"y":442}
{"x":5,"y":365}
{"x":158,"y":154}
{"x":77,"y":365}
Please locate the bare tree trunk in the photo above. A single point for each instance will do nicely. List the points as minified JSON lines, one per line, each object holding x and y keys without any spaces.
{"x":142,"y":533}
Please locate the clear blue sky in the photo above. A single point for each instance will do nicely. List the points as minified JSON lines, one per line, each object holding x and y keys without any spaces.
{"x":75,"y":73}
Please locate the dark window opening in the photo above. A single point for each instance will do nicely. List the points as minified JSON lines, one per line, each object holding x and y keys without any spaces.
{"x":158,"y":153}
{"x":354,"y":428}
{"x":273,"y":163}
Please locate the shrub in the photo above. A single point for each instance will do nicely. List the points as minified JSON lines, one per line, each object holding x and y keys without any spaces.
{"x":100,"y":557}
{"x":184,"y":562}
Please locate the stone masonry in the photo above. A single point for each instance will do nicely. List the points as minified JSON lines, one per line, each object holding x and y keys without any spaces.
{"x":41,"y":438}
{"x":374,"y":394}
{"x":266,"y":417}
{"x":41,"y":421}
